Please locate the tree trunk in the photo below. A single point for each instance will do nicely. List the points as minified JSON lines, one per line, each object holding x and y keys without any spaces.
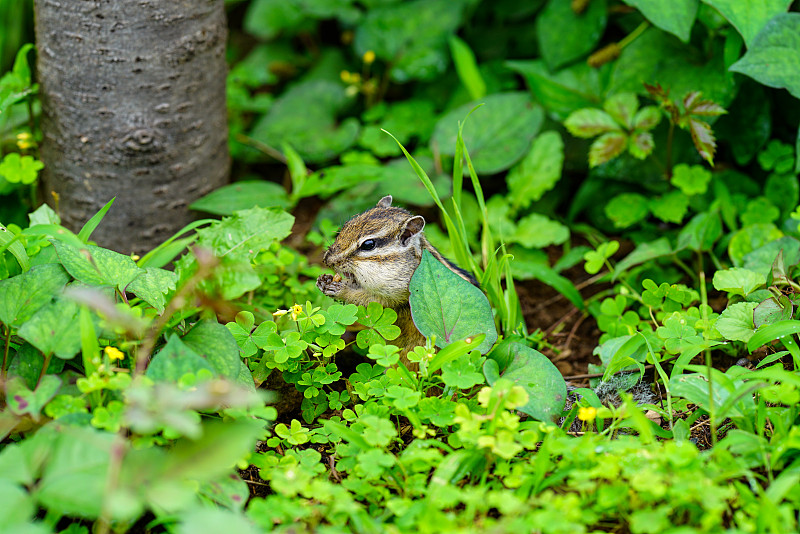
{"x":133,"y":106}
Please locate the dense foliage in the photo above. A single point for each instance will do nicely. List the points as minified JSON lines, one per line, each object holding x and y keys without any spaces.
{"x":649,"y":150}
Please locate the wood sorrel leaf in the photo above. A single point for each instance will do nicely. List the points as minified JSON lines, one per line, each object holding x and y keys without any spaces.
{"x":446,"y":306}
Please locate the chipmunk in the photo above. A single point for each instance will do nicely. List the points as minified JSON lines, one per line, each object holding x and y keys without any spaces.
{"x":374,"y":255}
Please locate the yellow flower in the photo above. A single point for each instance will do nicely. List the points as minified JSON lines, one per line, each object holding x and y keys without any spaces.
{"x":297,"y":309}
{"x":25,"y":141}
{"x":587,"y":414}
{"x":280,"y":313}
{"x":345,"y":76}
{"x":114,"y":353}
{"x":369,"y":57}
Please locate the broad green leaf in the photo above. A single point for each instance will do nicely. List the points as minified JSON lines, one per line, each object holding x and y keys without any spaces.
{"x":213,"y":342}
{"x":535,"y":373}
{"x":336,"y":178}
{"x":783,"y":190}
{"x":22,"y":295}
{"x":749,"y":239}
{"x":153,"y":285}
{"x":760,"y":260}
{"x":176,"y":359}
{"x":590,"y":122}
{"x":446,"y":306}
{"x":54,"y":329}
{"x":773,"y":59}
{"x":305,"y":117}
{"x":622,"y":108}
{"x":406,"y":120}
{"x":242,"y":195}
{"x":738,"y":281}
{"x":79,"y":458}
{"x":16,"y":85}
{"x":215,"y":520}
{"x":97,"y":266}
{"x":627,"y":209}
{"x":467,"y":68}
{"x":773,"y":310}
{"x":18,"y":505}
{"x":676,"y":16}
{"x":538,"y":231}
{"x":749,"y":17}
{"x":246,"y":233}
{"x":498,"y":134}
{"x":736,"y":322}
{"x":572,"y":88}
{"x":538,"y":171}
{"x":410,"y":36}
{"x":23,"y":401}
{"x":564,"y":35}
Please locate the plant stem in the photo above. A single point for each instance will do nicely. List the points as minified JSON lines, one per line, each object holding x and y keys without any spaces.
{"x":628,"y":39}
{"x":670,"y":135}
{"x":44,"y":369}
{"x":5,"y":352}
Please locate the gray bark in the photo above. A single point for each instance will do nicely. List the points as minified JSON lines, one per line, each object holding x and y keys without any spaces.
{"x":133,"y":106}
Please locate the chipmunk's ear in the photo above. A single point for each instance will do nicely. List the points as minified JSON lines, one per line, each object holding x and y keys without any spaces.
{"x":385,"y":202}
{"x":412,"y":227}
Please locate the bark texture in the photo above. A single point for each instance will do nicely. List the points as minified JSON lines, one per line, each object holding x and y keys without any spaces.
{"x":133,"y":106}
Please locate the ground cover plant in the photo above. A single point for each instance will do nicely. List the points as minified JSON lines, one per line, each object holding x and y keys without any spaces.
{"x":621,"y":178}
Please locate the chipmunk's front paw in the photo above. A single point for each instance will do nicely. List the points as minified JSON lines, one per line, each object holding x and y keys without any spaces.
{"x":329,"y":284}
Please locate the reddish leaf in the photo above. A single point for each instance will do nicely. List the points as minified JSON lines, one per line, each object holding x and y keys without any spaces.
{"x":706,"y":108}
{"x":607,"y":147}
{"x":647,"y":118}
{"x":641,"y":144}
{"x":703,"y":138}
{"x":589,"y":122}
{"x":622,"y":107}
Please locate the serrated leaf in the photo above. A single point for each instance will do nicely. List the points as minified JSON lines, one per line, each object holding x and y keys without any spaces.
{"x":676,"y":16}
{"x":703,"y":139}
{"x":447,"y":306}
{"x":589,"y":122}
{"x":153,"y":285}
{"x":749,"y":17}
{"x":607,"y":147}
{"x":54,"y":329}
{"x":97,"y":266}
{"x":694,"y":105}
{"x":538,"y":172}
{"x":176,"y":359}
{"x":647,"y":118}
{"x":215,"y":343}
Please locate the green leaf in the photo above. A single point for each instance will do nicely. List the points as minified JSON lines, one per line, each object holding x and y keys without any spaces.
{"x":644,"y":252}
{"x":595,"y":259}
{"x":20,"y":169}
{"x":54,"y":329}
{"x":447,"y":306}
{"x":467,"y":68}
{"x":7,"y":239}
{"x":773,"y":59}
{"x":498,"y":134}
{"x":691,"y":180}
{"x":16,"y":85}
{"x":462,"y":373}
{"x":772,"y":332}
{"x":572,"y":88}
{"x":676,"y":17}
{"x":627,"y":209}
{"x":622,"y":108}
{"x":736,"y":322}
{"x":23,"y":401}
{"x":537,"y":231}
{"x":703,"y":139}
{"x":19,"y":506}
{"x":749,"y":17}
{"x":701,"y":232}
{"x":641,"y":144}
{"x":535,"y":373}
{"x":738,"y":281}
{"x":773,"y":310}
{"x":21,"y":296}
{"x":749,"y":239}
{"x":590,"y":122}
{"x":97,"y":266}
{"x":538,"y":172}
{"x":175,"y":360}
{"x":216,"y":344}
{"x":91,"y":224}
{"x":410,"y":36}
{"x":407,"y":119}
{"x":214,"y":520}
{"x":564,"y":35}
{"x":670,"y":208}
{"x":305,"y":117}
{"x":153,"y":285}
{"x":242,"y":195}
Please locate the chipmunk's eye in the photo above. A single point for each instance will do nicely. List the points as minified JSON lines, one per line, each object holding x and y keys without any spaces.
{"x":369,"y":244}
